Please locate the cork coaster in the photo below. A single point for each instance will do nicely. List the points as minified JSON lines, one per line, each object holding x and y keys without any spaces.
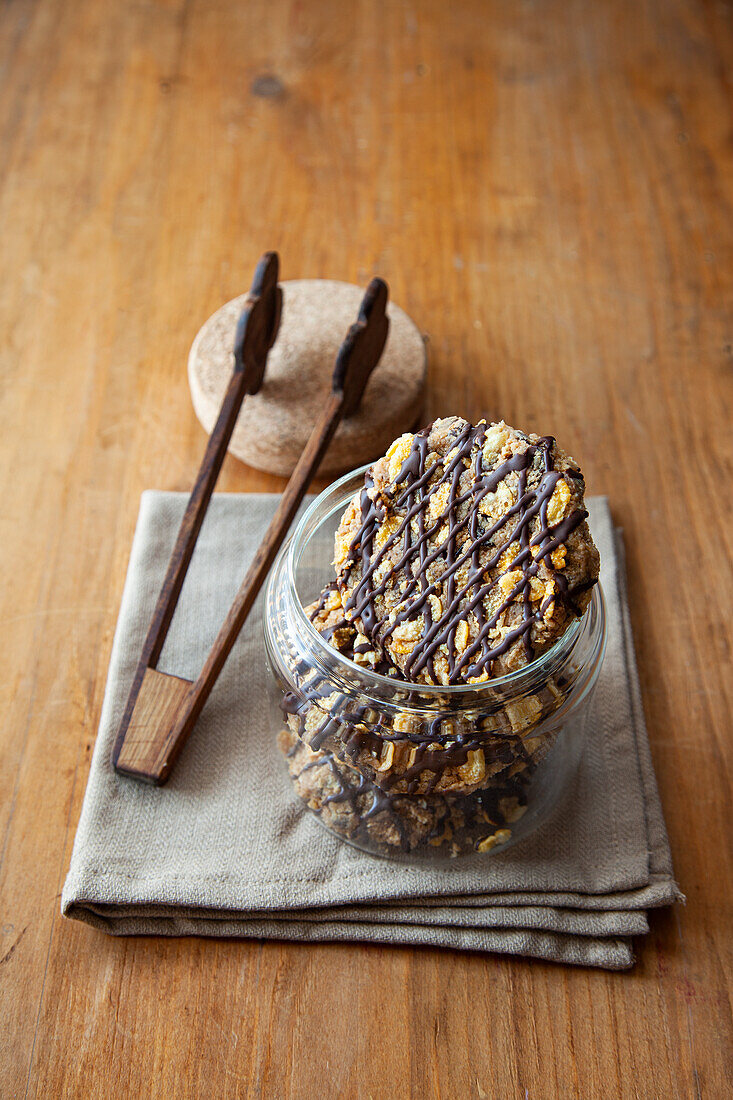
{"x":275,"y":423}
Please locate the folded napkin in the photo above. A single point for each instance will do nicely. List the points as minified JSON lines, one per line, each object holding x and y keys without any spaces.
{"x":226,"y":849}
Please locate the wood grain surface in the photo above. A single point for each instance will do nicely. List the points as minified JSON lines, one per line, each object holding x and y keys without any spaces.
{"x":547,"y":188}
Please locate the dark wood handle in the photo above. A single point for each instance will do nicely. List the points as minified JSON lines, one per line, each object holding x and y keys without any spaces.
{"x":255,"y":335}
{"x":169,"y":707}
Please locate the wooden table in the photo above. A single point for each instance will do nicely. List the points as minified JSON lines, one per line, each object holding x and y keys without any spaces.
{"x":547,"y":189}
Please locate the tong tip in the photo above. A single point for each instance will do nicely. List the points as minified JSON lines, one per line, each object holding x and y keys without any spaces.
{"x":259,"y":321}
{"x":362,"y":349}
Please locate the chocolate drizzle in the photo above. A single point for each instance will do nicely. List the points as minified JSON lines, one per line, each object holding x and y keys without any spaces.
{"x":524,"y":522}
{"x":371,"y":515}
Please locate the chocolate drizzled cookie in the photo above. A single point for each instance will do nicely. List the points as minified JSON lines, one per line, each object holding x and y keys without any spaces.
{"x":360,"y":811}
{"x":401,"y":754}
{"x":328,"y":617}
{"x":467,"y":552}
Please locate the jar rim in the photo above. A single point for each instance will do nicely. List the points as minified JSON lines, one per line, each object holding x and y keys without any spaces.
{"x":307,"y":525}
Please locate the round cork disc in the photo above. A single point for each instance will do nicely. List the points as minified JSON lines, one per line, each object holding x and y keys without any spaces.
{"x":274,"y":424}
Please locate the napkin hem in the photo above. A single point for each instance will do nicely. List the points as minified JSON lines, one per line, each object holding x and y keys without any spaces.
{"x":610,"y":953}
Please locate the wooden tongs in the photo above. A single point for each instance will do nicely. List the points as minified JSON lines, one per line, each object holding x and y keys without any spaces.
{"x":162,"y":709}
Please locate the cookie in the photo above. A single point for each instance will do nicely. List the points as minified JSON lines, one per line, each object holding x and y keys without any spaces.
{"x":380,"y":747}
{"x":351,"y":805}
{"x":327,"y":615}
{"x":361,"y":812}
{"x":396,"y":749}
{"x":467,"y":552}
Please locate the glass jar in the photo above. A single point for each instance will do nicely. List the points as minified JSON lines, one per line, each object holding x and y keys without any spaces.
{"x":416,"y":771}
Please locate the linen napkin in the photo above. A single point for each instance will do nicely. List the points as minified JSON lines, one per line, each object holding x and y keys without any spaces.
{"x":226,"y":849}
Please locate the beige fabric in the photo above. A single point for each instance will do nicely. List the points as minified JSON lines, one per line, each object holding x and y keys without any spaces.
{"x":226,"y":850}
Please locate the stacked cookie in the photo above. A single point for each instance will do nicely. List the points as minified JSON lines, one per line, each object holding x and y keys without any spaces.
{"x":465,"y":556}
